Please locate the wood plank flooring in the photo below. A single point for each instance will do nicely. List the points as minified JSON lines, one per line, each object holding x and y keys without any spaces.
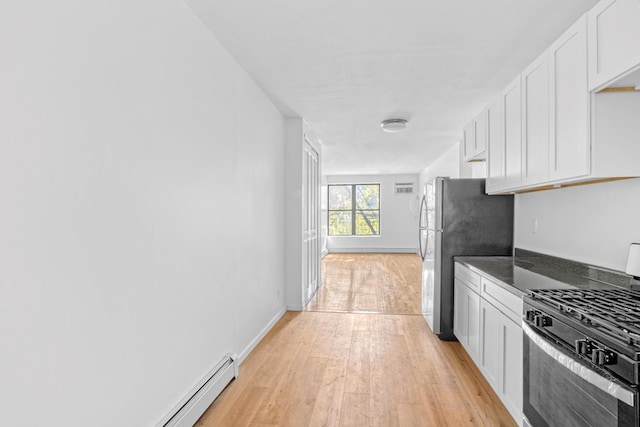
{"x":337,"y":368}
{"x":369,"y":283}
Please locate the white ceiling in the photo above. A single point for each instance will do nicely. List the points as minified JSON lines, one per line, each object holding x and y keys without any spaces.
{"x":346,"y":65}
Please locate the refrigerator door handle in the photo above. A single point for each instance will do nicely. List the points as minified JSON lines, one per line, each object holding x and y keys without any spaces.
{"x":424,"y":217}
{"x":439,"y":220}
{"x":423,"y":249}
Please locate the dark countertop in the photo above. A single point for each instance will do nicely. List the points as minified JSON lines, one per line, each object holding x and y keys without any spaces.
{"x":531,"y":270}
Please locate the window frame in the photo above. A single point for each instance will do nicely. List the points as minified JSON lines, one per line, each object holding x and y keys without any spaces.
{"x":353,"y":211}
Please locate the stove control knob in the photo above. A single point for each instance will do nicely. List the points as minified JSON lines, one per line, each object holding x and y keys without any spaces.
{"x":540,"y":320}
{"x":530,"y":315}
{"x":584,"y":347}
{"x":603,"y":357}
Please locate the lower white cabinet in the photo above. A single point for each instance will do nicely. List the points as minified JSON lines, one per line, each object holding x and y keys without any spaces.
{"x":486,"y":324}
{"x":466,"y":325}
{"x":489,"y":359}
{"x":501,"y":357}
{"x":511,"y":358}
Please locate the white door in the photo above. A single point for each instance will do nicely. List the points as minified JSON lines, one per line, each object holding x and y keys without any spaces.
{"x":428,"y":263}
{"x":310,"y":222}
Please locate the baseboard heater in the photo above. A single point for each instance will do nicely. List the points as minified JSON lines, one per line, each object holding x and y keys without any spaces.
{"x":187,"y":412}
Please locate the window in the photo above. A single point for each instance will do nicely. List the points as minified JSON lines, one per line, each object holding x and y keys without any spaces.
{"x":354,"y":210}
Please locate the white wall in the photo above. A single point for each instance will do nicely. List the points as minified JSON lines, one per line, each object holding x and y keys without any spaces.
{"x":448,"y":164}
{"x":137,"y":161}
{"x":398,"y":217}
{"x":591,"y":223}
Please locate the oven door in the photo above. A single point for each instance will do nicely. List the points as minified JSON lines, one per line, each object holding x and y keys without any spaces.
{"x":560,"y":391}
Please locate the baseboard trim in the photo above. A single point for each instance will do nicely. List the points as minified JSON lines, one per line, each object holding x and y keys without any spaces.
{"x":374,"y":250}
{"x":261,"y":335}
{"x":295,"y":308}
{"x":324,"y":253}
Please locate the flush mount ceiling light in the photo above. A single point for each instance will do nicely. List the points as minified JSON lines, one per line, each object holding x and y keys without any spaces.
{"x":394,"y":125}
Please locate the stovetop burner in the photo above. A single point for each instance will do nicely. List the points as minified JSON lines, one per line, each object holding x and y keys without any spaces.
{"x":615,"y":312}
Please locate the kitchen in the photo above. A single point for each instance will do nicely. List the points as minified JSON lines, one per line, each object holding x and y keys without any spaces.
{"x":111,"y":248}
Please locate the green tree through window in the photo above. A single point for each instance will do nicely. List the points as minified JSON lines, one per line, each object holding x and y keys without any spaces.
{"x":354,"y":210}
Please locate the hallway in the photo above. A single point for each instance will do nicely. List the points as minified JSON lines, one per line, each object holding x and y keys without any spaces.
{"x":376,"y":366}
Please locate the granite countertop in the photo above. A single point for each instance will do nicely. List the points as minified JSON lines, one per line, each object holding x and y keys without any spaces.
{"x":530,"y":270}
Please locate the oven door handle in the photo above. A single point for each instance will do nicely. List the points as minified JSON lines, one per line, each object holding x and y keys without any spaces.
{"x":587,"y":374}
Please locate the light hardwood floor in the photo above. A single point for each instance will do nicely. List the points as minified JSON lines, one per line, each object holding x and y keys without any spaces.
{"x":333,"y":368}
{"x":369,"y":283}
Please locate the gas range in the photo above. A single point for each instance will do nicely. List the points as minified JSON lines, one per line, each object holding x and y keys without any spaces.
{"x":600,"y":326}
{"x":581,"y":351}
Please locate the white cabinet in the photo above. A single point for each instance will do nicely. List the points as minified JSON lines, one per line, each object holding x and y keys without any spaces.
{"x":475,"y":139}
{"x":487,"y":324}
{"x":614,"y":35}
{"x":480,"y":135}
{"x":569,"y":139}
{"x":496,"y":179}
{"x":556,"y":132}
{"x":501,"y":356}
{"x":466,"y":317}
{"x":535,"y":122}
{"x":473,"y":325}
{"x":510,"y":384}
{"x":468,"y":141}
{"x":513,"y":134}
{"x":490,"y":364}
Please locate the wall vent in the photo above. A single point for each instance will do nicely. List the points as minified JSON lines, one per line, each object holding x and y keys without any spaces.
{"x":192,"y":406}
{"x":403,"y":188}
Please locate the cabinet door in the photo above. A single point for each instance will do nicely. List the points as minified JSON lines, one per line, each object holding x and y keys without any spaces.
{"x":495,"y":146}
{"x":614,"y":31}
{"x":535,"y":122}
{"x":511,"y":371}
{"x":480,"y":135}
{"x":468,"y":142}
{"x":512,"y":134}
{"x":569,"y":138}
{"x":490,"y":363}
{"x":460,"y":312}
{"x":473,"y":325}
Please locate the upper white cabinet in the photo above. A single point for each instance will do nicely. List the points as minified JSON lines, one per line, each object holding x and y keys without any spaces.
{"x":512,"y":99}
{"x":480,"y":133}
{"x":569,"y":109}
{"x":535,"y":122}
{"x":555,"y":131}
{"x":468,"y":141}
{"x":475,"y":138}
{"x":496,"y":175}
{"x":504,"y":140}
{"x":614,"y":40}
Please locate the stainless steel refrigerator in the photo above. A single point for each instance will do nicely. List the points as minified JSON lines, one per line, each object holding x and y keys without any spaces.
{"x":457,"y":218}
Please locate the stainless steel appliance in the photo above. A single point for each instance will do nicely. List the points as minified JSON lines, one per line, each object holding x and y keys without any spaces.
{"x":581,"y":357}
{"x":457,"y":218}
